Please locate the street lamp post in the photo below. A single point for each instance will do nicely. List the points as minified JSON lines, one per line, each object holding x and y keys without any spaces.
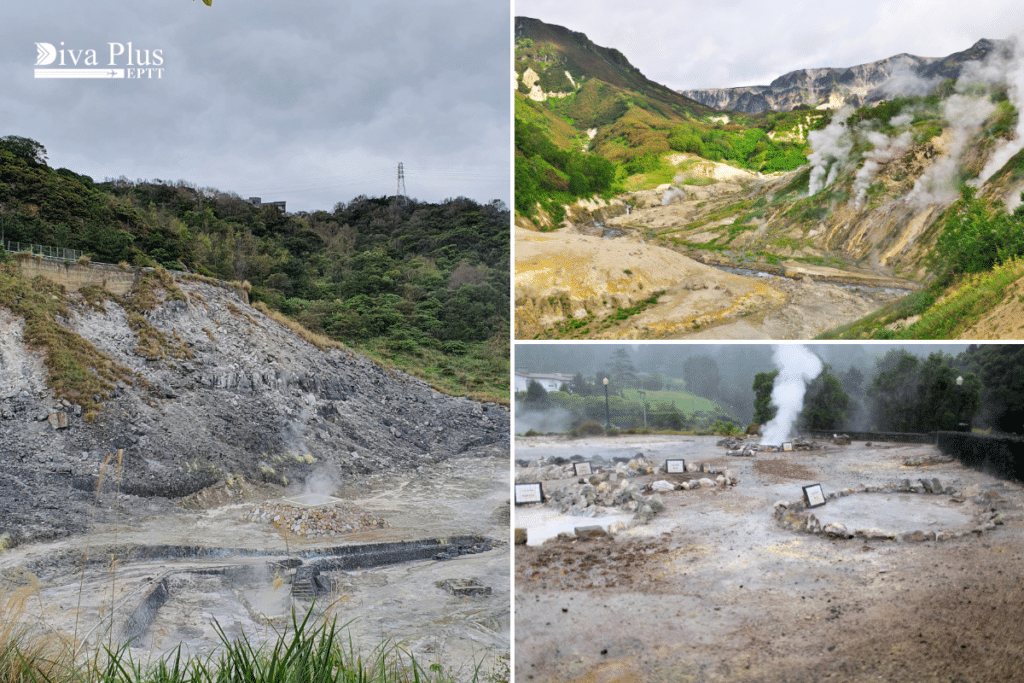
{"x":607,"y":415}
{"x":643,"y":401}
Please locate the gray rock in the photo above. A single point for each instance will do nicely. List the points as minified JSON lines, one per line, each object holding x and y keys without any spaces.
{"x":593,"y":531}
{"x":836,"y":530}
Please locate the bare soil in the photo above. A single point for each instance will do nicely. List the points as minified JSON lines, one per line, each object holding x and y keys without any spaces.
{"x":598,"y":276}
{"x":714,"y":590}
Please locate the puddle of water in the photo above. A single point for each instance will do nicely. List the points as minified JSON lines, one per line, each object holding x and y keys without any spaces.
{"x":606,"y":232}
{"x":544,"y":523}
{"x":896,"y":512}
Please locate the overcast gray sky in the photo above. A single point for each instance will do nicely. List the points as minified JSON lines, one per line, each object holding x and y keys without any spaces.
{"x":693,"y":44}
{"x":309,"y":102}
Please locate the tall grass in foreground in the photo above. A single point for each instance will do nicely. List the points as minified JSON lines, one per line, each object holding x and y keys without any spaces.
{"x":305,"y":654}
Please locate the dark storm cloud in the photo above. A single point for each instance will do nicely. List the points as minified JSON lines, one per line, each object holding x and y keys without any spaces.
{"x":313,"y":103}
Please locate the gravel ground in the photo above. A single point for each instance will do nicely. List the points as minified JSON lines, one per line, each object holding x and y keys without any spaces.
{"x":715,"y":590}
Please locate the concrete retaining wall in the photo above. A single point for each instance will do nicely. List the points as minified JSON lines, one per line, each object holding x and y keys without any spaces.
{"x":1000,"y":456}
{"x":74,"y":276}
{"x":902,"y":437}
{"x":143,"y":615}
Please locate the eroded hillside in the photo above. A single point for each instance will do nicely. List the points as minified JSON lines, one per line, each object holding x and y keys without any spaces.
{"x":212,"y":392}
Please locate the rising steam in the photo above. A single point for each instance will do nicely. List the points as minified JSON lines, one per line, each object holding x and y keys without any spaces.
{"x":832,"y":148}
{"x":797,"y":366}
{"x":672,"y":194}
{"x":964,"y":113}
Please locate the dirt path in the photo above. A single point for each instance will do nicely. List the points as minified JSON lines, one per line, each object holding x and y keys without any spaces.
{"x":715,"y":590}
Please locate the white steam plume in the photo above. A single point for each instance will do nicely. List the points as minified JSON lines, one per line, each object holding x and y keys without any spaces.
{"x":323,"y":481}
{"x":672,"y":194}
{"x":938,"y":183}
{"x":903,"y":82}
{"x":964,"y":112}
{"x":885,"y":148}
{"x":1012,"y":71}
{"x":556,"y":420}
{"x":797,"y":366}
{"x":831,"y":150}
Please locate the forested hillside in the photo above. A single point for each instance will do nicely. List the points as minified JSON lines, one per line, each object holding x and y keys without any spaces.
{"x":588,"y":122}
{"x":421,"y":286}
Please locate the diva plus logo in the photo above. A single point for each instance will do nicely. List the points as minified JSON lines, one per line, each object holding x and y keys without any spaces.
{"x":119,"y":60}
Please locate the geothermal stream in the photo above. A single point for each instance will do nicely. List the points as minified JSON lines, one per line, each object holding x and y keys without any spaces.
{"x":751,"y":272}
{"x":181,"y":574}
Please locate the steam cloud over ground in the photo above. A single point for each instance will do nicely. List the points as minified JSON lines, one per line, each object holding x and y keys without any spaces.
{"x":797,"y":366}
{"x":964,"y":112}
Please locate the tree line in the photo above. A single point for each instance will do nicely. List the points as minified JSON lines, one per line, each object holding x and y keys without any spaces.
{"x":982,"y":388}
{"x":397,"y":276}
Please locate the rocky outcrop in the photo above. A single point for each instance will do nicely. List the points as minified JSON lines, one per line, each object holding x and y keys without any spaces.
{"x":831,"y":88}
{"x":254,"y":400}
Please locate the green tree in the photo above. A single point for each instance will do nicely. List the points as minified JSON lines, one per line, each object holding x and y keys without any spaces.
{"x":580,"y":386}
{"x":908,"y":395}
{"x":623,"y":372}
{"x":764,"y":382}
{"x":893,"y":391}
{"x":826,"y":404}
{"x":25,"y":148}
{"x":978,"y":236}
{"x":536,"y":396}
{"x":1000,"y":369}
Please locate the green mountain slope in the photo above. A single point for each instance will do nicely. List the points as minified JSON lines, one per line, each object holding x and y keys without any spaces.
{"x":579,"y":105}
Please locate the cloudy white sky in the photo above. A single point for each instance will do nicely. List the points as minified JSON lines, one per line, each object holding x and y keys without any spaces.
{"x":727,"y":43}
{"x":308,"y":102}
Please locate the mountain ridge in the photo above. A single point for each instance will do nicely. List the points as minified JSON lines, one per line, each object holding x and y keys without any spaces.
{"x":833,"y":87}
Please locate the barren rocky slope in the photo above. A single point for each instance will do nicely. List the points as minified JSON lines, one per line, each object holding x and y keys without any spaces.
{"x":834,"y":87}
{"x":254,"y":401}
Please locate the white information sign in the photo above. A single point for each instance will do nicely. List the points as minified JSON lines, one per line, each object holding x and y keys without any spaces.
{"x":675,"y":466}
{"x":529,"y":493}
{"x":814,"y":495}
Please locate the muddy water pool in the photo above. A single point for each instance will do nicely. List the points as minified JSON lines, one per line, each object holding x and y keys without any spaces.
{"x":249,"y":594}
{"x":897,"y":512}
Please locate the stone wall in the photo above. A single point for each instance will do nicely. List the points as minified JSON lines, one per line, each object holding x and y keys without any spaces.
{"x":75,"y":276}
{"x":901,"y":437}
{"x":1000,"y":456}
{"x":112,"y":278}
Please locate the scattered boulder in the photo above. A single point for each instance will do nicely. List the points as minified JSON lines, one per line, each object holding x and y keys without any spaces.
{"x":589,"y":532}
{"x":836,"y":530}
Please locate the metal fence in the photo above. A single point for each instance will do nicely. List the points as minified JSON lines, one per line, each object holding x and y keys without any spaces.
{"x":49,"y":252}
